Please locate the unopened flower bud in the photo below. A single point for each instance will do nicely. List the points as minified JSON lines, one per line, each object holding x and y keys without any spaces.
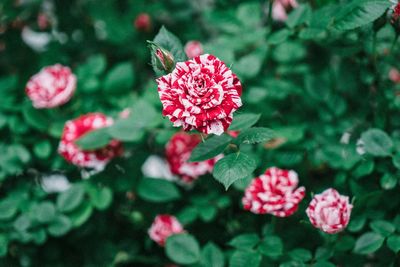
{"x":163,"y":60}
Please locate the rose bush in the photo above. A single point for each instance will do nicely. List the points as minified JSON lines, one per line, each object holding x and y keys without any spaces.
{"x":199,"y":133}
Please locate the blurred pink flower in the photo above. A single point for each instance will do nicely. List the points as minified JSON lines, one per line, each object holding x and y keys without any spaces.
{"x":280,"y":8}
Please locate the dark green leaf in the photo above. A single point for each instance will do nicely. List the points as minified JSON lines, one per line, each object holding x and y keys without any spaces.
{"x":393,"y":242}
{"x":241,"y":258}
{"x":233,"y":167}
{"x":245,"y":241}
{"x":60,"y":226}
{"x":271,"y":246}
{"x":255,"y":135}
{"x":210,"y":148}
{"x":119,"y":79}
{"x":157,"y":190}
{"x":211,"y":255}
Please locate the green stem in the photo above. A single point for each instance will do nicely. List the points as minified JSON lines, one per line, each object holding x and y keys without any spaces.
{"x":394,"y":42}
{"x":269,"y":21}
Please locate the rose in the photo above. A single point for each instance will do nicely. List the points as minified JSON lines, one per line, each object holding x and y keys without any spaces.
{"x":281,"y":7}
{"x":143,"y":22}
{"x":274,"y":192}
{"x":74,"y":129}
{"x":163,"y":227}
{"x":51,"y":87}
{"x":193,"y":49}
{"x":329,"y":211}
{"x":394,"y":74}
{"x":178,"y":151}
{"x":201,"y":94}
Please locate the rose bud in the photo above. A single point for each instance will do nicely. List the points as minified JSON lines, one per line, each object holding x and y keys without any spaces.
{"x":143,"y":22}
{"x":51,"y":87}
{"x":394,"y":75}
{"x":163,"y":227}
{"x":280,"y":8}
{"x":162,"y":59}
{"x":275,"y":192}
{"x":193,"y":49}
{"x":74,"y":129}
{"x":201,"y":93}
{"x":178,"y":151}
{"x":329,"y":211}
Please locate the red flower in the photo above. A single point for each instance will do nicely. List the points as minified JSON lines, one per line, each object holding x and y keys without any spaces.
{"x":163,"y":227}
{"x":51,"y":87}
{"x":201,"y":94}
{"x":193,"y":49}
{"x":274,"y":192}
{"x":143,"y":22}
{"x":395,"y":12}
{"x":329,"y":211}
{"x":74,"y":129}
{"x":178,"y":151}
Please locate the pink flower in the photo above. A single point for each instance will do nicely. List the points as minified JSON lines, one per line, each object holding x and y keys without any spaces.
{"x":163,"y":227}
{"x":200,"y":94}
{"x":395,"y":11}
{"x":274,"y":192}
{"x":329,"y":211}
{"x":280,"y":8}
{"x":178,"y":151}
{"x":43,"y":21}
{"x":51,"y":87}
{"x":394,"y":75}
{"x":74,"y":129}
{"x":193,"y":49}
{"x":143,"y":22}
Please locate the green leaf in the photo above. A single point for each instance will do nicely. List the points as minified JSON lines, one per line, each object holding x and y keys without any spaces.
{"x":207,"y":213}
{"x":42,"y":149}
{"x":59,"y":226}
{"x":119,"y":79}
{"x":157,"y":190}
{"x":245,"y":241}
{"x":210,"y":148}
{"x":80,"y":214}
{"x":100,"y":198}
{"x":255,"y":135}
{"x":383,"y":228}
{"x":279,"y":37}
{"x":241,"y":258}
{"x":22,"y":223}
{"x":271,"y":246}
{"x":233,"y":167}
{"x":45,"y":212}
{"x":8,"y":209}
{"x":388,"y":181}
{"x":183,"y":249}
{"x":125,"y":130}
{"x":300,"y":254}
{"x":36,"y":118}
{"x":211,"y":255}
{"x":393,"y":242}
{"x":244,"y":121}
{"x":377,"y":142}
{"x":324,"y":264}
{"x":298,"y":16}
{"x":70,"y":199}
{"x":3,"y":245}
{"x":94,"y":140}
{"x":359,"y":13}
{"x":396,"y":160}
{"x":368,"y":243}
{"x":171,"y":43}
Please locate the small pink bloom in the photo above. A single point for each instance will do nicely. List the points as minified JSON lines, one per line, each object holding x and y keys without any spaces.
{"x":280,"y":8}
{"x":394,"y":75}
{"x":234,"y":134}
{"x":193,"y":49}
{"x":74,"y":129}
{"x":202,"y":94}
{"x":43,"y":21}
{"x":275,"y":192}
{"x":125,"y":113}
{"x":178,"y":151}
{"x":163,"y":227}
{"x":143,"y":22}
{"x":329,"y":211}
{"x":51,"y":87}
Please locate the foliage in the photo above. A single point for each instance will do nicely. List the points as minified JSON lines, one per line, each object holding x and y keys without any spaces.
{"x":317,"y":99}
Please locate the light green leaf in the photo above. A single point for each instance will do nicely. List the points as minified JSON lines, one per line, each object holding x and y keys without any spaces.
{"x":94,"y":140}
{"x":377,"y":142}
{"x":183,"y":249}
{"x":244,"y":121}
{"x":271,"y":246}
{"x":368,"y":243}
{"x":70,"y":199}
{"x":211,"y":255}
{"x":255,"y":135}
{"x":241,"y":258}
{"x":119,"y":79}
{"x":245,"y":241}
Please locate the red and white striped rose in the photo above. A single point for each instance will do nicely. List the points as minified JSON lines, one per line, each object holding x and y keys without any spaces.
{"x":74,"y":129}
{"x":163,"y":227}
{"x":202,"y":94}
{"x":275,"y":192}
{"x":51,"y":87}
{"x":329,"y":211}
{"x":178,"y":152}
